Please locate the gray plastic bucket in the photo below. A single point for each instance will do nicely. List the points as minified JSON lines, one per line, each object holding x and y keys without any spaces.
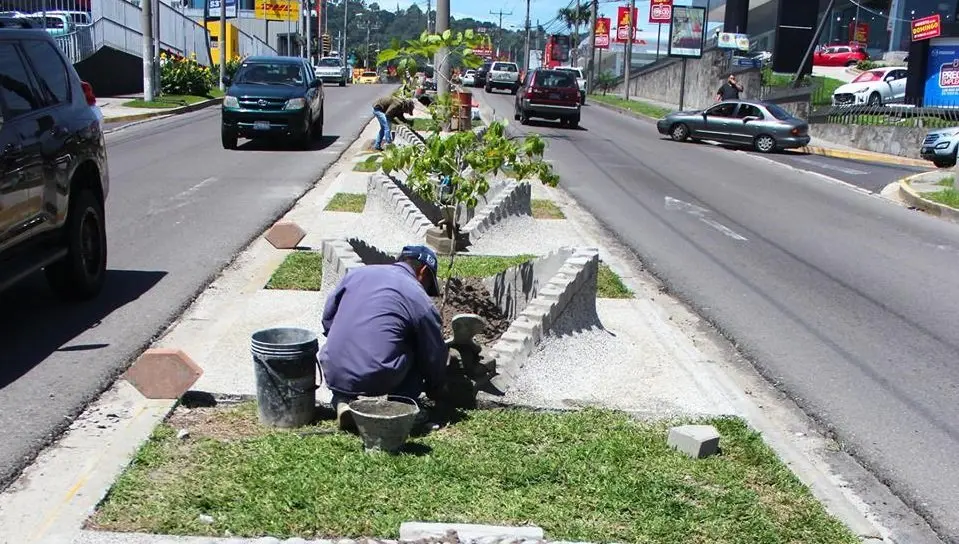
{"x":284,"y":362}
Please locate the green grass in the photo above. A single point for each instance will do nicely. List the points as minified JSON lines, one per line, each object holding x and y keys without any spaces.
{"x":172,"y":100}
{"x":369,"y":164}
{"x":347,"y":202}
{"x":949,"y":197}
{"x":423,"y":124}
{"x":635,"y":106}
{"x":609,"y":285}
{"x":478,"y":266}
{"x":586,"y":476}
{"x":948,"y":181}
{"x":824,"y":86}
{"x":300,"y":271}
{"x":892,"y":120}
{"x":546,"y":209}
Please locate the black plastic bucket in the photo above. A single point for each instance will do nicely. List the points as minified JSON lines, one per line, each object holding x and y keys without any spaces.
{"x":284,"y":362}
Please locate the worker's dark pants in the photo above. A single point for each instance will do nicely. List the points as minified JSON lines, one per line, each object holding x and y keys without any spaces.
{"x":412,"y":387}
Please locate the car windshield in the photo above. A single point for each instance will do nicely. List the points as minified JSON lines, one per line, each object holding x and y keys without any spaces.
{"x":470,"y":72}
{"x":329,"y":63}
{"x":778,"y":112}
{"x":555,"y":78}
{"x":866,"y":77}
{"x":270,"y":73}
{"x":574,"y":71}
{"x":369,"y":74}
{"x":505,"y":67}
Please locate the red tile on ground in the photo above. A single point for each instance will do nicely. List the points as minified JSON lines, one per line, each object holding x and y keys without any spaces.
{"x":163,"y":373}
{"x":285,"y":235}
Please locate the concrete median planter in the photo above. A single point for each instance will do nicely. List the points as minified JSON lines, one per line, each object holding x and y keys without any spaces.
{"x":914,"y":198}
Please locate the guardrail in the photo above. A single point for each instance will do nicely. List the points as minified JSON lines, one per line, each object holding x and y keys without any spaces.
{"x":898,"y":115}
{"x":117,"y":24}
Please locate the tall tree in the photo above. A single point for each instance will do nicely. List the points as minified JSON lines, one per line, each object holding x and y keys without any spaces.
{"x":574,"y":16}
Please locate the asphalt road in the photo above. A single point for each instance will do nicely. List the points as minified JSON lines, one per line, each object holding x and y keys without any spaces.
{"x":180,"y":208}
{"x":844,"y":300}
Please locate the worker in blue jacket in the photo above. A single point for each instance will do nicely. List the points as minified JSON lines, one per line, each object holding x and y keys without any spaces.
{"x":384,"y":335}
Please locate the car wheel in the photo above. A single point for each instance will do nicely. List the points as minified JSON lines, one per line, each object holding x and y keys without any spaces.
{"x":318,"y":127}
{"x":875,"y":100}
{"x":488,"y":89}
{"x":515,"y":114}
{"x":228,"y":137}
{"x":765,"y":143}
{"x":343,"y":83}
{"x":679,"y":132}
{"x":513,"y":90}
{"x":582,"y":99}
{"x":574,"y":122}
{"x":943,"y":163}
{"x":306,"y":139}
{"x":523,"y":118}
{"x":851,"y":63}
{"x":80,"y":275}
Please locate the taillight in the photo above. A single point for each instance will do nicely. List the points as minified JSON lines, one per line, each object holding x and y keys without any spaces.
{"x":88,"y":93}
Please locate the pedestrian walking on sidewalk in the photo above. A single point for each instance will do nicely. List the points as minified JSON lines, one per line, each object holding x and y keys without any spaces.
{"x":384,"y":335}
{"x":729,"y":90}
{"x":387,"y":110}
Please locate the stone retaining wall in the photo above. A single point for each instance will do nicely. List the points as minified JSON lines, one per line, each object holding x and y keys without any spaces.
{"x":890,"y":140}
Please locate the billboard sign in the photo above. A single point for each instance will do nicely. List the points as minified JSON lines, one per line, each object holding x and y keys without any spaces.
{"x":942,"y":76}
{"x":601,"y":32}
{"x":623,"y":23}
{"x":926,"y":28}
{"x":214,"y":9}
{"x":686,"y":32}
{"x":660,"y":11}
{"x":728,"y":40}
{"x":859,"y":33}
{"x":276,"y":10}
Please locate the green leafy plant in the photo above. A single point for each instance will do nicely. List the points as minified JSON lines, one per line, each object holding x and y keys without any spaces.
{"x":232,"y":66}
{"x":184,"y":76}
{"x":605,"y":81}
{"x":866,"y":65}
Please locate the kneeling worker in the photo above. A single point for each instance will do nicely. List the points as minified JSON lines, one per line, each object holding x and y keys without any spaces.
{"x":384,"y":335}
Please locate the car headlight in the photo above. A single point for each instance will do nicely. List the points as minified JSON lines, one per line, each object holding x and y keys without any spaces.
{"x":230,"y":102}
{"x":861,"y":91}
{"x":295,"y":104}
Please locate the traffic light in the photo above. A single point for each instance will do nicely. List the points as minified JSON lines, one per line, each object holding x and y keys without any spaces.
{"x":327,"y":44}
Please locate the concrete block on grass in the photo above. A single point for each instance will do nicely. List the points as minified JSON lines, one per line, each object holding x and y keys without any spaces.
{"x":696,"y":441}
{"x":415,"y":530}
{"x":285,"y":235}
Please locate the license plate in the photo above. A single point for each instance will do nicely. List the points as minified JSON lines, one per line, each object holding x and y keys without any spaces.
{"x":553,"y":96}
{"x":261,"y":125}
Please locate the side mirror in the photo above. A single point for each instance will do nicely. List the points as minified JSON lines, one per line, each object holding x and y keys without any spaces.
{"x":227,"y":81}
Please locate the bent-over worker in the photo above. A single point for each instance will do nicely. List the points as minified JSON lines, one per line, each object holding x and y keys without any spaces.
{"x":384,"y":335}
{"x":387,"y":110}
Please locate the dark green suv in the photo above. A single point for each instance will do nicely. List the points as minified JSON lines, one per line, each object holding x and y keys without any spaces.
{"x":273,"y":97}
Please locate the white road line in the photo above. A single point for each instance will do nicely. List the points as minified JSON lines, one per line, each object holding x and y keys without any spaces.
{"x":830,"y":179}
{"x":674,"y":204}
{"x":824,"y":166}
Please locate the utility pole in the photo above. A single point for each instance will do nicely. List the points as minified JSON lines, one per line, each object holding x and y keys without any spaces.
{"x":346,"y":12}
{"x":146,"y":23}
{"x":429,"y":9}
{"x":591,"y":68}
{"x":629,"y":47}
{"x":526,"y":51}
{"x":221,"y":42}
{"x":309,"y":32}
{"x":500,"y":37}
{"x":441,"y":63}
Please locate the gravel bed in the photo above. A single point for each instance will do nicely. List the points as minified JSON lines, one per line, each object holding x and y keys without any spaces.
{"x":523,"y":234}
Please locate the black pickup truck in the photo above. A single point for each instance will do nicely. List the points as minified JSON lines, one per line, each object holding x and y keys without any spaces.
{"x":53,"y":168}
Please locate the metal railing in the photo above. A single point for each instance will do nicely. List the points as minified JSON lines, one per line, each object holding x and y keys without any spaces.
{"x":898,"y":115}
{"x":118,"y":25}
{"x":252,"y":45}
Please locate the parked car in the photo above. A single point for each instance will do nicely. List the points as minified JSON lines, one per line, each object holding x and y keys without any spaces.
{"x":840,"y":55}
{"x":53,"y":169}
{"x":368,"y":77}
{"x":481,"y":74}
{"x":273,"y":97}
{"x":332,"y":70}
{"x":580,"y":81}
{"x":57,"y":24}
{"x":762,"y":126}
{"x":548,"y":94}
{"x":503,"y":75}
{"x":873,"y":87}
{"x":79,"y":18}
{"x":468,"y":79}
{"x":940,"y":146}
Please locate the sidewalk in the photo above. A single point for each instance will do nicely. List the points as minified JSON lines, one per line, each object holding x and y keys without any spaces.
{"x":114,"y":111}
{"x":648,"y":356}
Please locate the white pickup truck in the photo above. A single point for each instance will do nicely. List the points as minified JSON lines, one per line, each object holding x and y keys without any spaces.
{"x":503,"y":75}
{"x":580,"y":81}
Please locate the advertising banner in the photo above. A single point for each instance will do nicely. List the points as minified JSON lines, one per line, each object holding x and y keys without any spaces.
{"x":728,"y":40}
{"x":623,"y":23}
{"x":276,"y":10}
{"x":686,"y":32}
{"x":859,"y":33}
{"x":602,"y":32}
{"x":942,"y":76}
{"x":660,"y":11}
{"x":926,"y":27}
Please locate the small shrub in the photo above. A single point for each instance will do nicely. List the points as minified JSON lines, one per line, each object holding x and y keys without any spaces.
{"x":184,"y":76}
{"x":866,"y":65}
{"x":232,"y":66}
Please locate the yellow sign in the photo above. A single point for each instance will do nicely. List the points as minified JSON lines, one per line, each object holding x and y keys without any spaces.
{"x":277,"y":10}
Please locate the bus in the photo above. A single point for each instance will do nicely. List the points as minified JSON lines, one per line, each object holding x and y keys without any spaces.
{"x":557,"y":51}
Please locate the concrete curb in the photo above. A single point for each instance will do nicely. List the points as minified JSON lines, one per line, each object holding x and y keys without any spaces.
{"x":866,"y":156}
{"x":172,"y":111}
{"x":387,"y":192}
{"x":913,"y":198}
{"x":514,"y":198}
{"x":624,"y":111}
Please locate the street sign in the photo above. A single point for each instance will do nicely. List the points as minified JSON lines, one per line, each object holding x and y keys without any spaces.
{"x":276,"y":10}
{"x":748,"y":62}
{"x":926,"y":27}
{"x":660,"y":11}
{"x":215,"y":9}
{"x":602,"y":32}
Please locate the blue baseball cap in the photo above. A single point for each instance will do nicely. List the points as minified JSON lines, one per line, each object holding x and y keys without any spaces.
{"x":426,"y":256}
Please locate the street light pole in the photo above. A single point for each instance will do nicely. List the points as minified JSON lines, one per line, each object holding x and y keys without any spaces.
{"x":221,"y":41}
{"x":346,"y":12}
{"x":591,"y":68}
{"x":526,"y":51}
{"x":629,"y":48}
{"x":146,"y":22}
{"x":441,"y":64}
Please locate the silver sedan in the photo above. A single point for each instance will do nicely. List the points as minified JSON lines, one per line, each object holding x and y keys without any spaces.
{"x":760,"y":125}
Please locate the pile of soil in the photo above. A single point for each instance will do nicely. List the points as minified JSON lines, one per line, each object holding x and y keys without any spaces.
{"x":470,"y":296}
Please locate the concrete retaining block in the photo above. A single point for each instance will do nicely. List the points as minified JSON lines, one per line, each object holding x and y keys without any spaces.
{"x":384,"y":189}
{"x":696,"y":441}
{"x":415,"y":530}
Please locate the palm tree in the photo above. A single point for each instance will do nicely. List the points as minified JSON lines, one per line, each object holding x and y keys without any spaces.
{"x":573,"y":17}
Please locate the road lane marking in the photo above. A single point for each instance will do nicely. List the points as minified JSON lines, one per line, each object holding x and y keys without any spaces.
{"x":830,"y":179}
{"x":674,"y":204}
{"x":824,"y":166}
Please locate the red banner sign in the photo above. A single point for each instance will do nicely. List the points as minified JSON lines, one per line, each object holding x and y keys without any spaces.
{"x":859,"y":33}
{"x":623,"y":23}
{"x":602,"y":32}
{"x":926,"y":27}
{"x":660,"y":11}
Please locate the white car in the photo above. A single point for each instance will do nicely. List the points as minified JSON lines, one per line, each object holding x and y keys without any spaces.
{"x":873,"y":87}
{"x":580,"y":81}
{"x":468,"y":78}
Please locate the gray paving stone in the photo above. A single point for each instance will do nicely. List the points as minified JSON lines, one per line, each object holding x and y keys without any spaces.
{"x":696,"y":441}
